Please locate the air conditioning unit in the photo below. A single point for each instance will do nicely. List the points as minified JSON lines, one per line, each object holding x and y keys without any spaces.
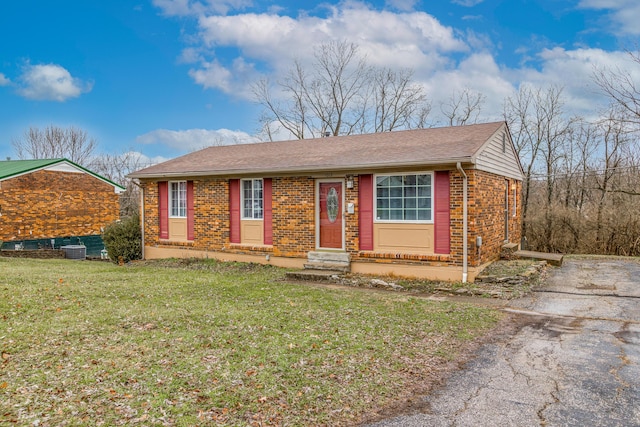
{"x":74,"y":251}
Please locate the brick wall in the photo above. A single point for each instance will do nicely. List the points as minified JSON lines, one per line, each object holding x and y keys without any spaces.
{"x":211,"y":215}
{"x":46,"y":204}
{"x":487,"y":210}
{"x":37,"y":253}
{"x":485,"y":216}
{"x":352,"y":241}
{"x":294,"y":218}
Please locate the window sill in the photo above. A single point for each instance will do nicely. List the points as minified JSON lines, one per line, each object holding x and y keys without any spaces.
{"x":404,"y":256}
{"x":175,"y":242}
{"x":250,"y":247}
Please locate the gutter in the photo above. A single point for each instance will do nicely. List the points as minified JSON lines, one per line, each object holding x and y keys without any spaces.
{"x":293,"y":170}
{"x":465,"y":201}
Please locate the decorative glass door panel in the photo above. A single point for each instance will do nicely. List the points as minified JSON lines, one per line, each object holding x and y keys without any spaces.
{"x":330,"y":203}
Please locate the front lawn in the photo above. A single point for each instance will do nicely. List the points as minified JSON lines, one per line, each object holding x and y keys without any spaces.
{"x":207,"y":343}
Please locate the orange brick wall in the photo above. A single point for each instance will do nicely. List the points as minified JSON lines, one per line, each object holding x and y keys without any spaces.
{"x":293,"y":216}
{"x":486,"y":216}
{"x":294,"y":208}
{"x":46,"y":204}
{"x":211,"y":215}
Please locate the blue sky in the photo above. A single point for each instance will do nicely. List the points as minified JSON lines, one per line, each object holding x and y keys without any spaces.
{"x":165,"y":77}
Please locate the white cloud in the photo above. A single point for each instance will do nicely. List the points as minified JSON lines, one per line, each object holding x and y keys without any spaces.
{"x":444,"y":59}
{"x":143,"y":160}
{"x":50,"y":82}
{"x":478,"y":73}
{"x":411,"y":40}
{"x":573,"y":70}
{"x":624,"y":14}
{"x":4,"y":81}
{"x":195,"y":139}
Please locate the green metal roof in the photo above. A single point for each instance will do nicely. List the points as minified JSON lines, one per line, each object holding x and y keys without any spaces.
{"x":11,"y":168}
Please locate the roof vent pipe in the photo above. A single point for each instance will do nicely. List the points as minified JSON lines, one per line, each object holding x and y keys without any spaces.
{"x":465,"y":251}
{"x":327,"y":134}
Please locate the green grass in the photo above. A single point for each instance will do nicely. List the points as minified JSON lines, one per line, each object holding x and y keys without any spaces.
{"x":207,"y":343}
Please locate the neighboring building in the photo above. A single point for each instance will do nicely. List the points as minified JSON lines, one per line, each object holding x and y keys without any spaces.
{"x":435,"y":203}
{"x":54,"y":198}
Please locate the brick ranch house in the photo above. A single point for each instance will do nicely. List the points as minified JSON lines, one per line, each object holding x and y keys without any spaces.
{"x":434,"y":203}
{"x":51,"y":198}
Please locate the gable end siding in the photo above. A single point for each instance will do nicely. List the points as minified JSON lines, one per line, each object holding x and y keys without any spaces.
{"x":493,"y":159}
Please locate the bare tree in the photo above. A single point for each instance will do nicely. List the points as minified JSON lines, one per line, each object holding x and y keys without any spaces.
{"x":117,"y":168}
{"x":54,"y":142}
{"x":621,"y":87}
{"x":341,"y":94}
{"x":539,"y":125}
{"x":397,"y":102}
{"x":291,"y":113}
{"x":463,"y":107}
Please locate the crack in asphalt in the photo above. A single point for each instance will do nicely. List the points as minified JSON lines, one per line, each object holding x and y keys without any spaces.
{"x":624,"y":361}
{"x":556,"y":400}
{"x":566,"y":316}
{"x":586,"y":294}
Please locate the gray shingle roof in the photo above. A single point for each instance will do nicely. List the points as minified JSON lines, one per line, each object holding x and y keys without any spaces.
{"x":419,"y":147}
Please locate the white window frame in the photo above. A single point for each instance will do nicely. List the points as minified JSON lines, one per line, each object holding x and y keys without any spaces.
{"x":403,"y":221}
{"x":515,"y":198}
{"x":181,"y":207}
{"x":254,"y":208}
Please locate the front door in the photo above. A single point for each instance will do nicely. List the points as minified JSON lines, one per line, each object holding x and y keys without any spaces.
{"x":330,"y":215}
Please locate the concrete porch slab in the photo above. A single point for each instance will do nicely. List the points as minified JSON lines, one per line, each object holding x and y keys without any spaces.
{"x":553,"y":259}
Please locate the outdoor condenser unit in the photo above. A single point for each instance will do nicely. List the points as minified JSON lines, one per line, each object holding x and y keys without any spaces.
{"x":74,"y":251}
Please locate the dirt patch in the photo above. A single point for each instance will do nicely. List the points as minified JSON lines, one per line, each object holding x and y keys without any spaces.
{"x":503,"y":280}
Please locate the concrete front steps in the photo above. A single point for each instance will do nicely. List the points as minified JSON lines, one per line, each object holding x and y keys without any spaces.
{"x":321,"y":266}
{"x":336,"y":261}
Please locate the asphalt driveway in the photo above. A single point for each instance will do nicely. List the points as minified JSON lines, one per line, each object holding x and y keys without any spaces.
{"x":576,"y":362}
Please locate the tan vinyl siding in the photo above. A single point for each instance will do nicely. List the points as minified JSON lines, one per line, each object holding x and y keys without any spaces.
{"x":252,"y":232}
{"x":403,"y":238}
{"x":178,"y":229}
{"x":491,"y":158}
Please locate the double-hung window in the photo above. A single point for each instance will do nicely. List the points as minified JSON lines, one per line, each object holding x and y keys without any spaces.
{"x":404,"y":198}
{"x":178,"y":199}
{"x":252,"y":198}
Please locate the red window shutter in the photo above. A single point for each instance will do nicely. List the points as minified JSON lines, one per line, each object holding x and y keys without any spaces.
{"x":163,"y":208}
{"x":234,"y":211}
{"x":268,"y":215}
{"x":441,"y":213}
{"x":190,"y":211}
{"x":365,"y":208}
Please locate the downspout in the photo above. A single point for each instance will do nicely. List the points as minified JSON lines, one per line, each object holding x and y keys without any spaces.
{"x":141,"y":215}
{"x":465,"y":201}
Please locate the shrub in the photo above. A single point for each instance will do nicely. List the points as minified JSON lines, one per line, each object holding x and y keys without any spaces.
{"x":123,"y":239}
